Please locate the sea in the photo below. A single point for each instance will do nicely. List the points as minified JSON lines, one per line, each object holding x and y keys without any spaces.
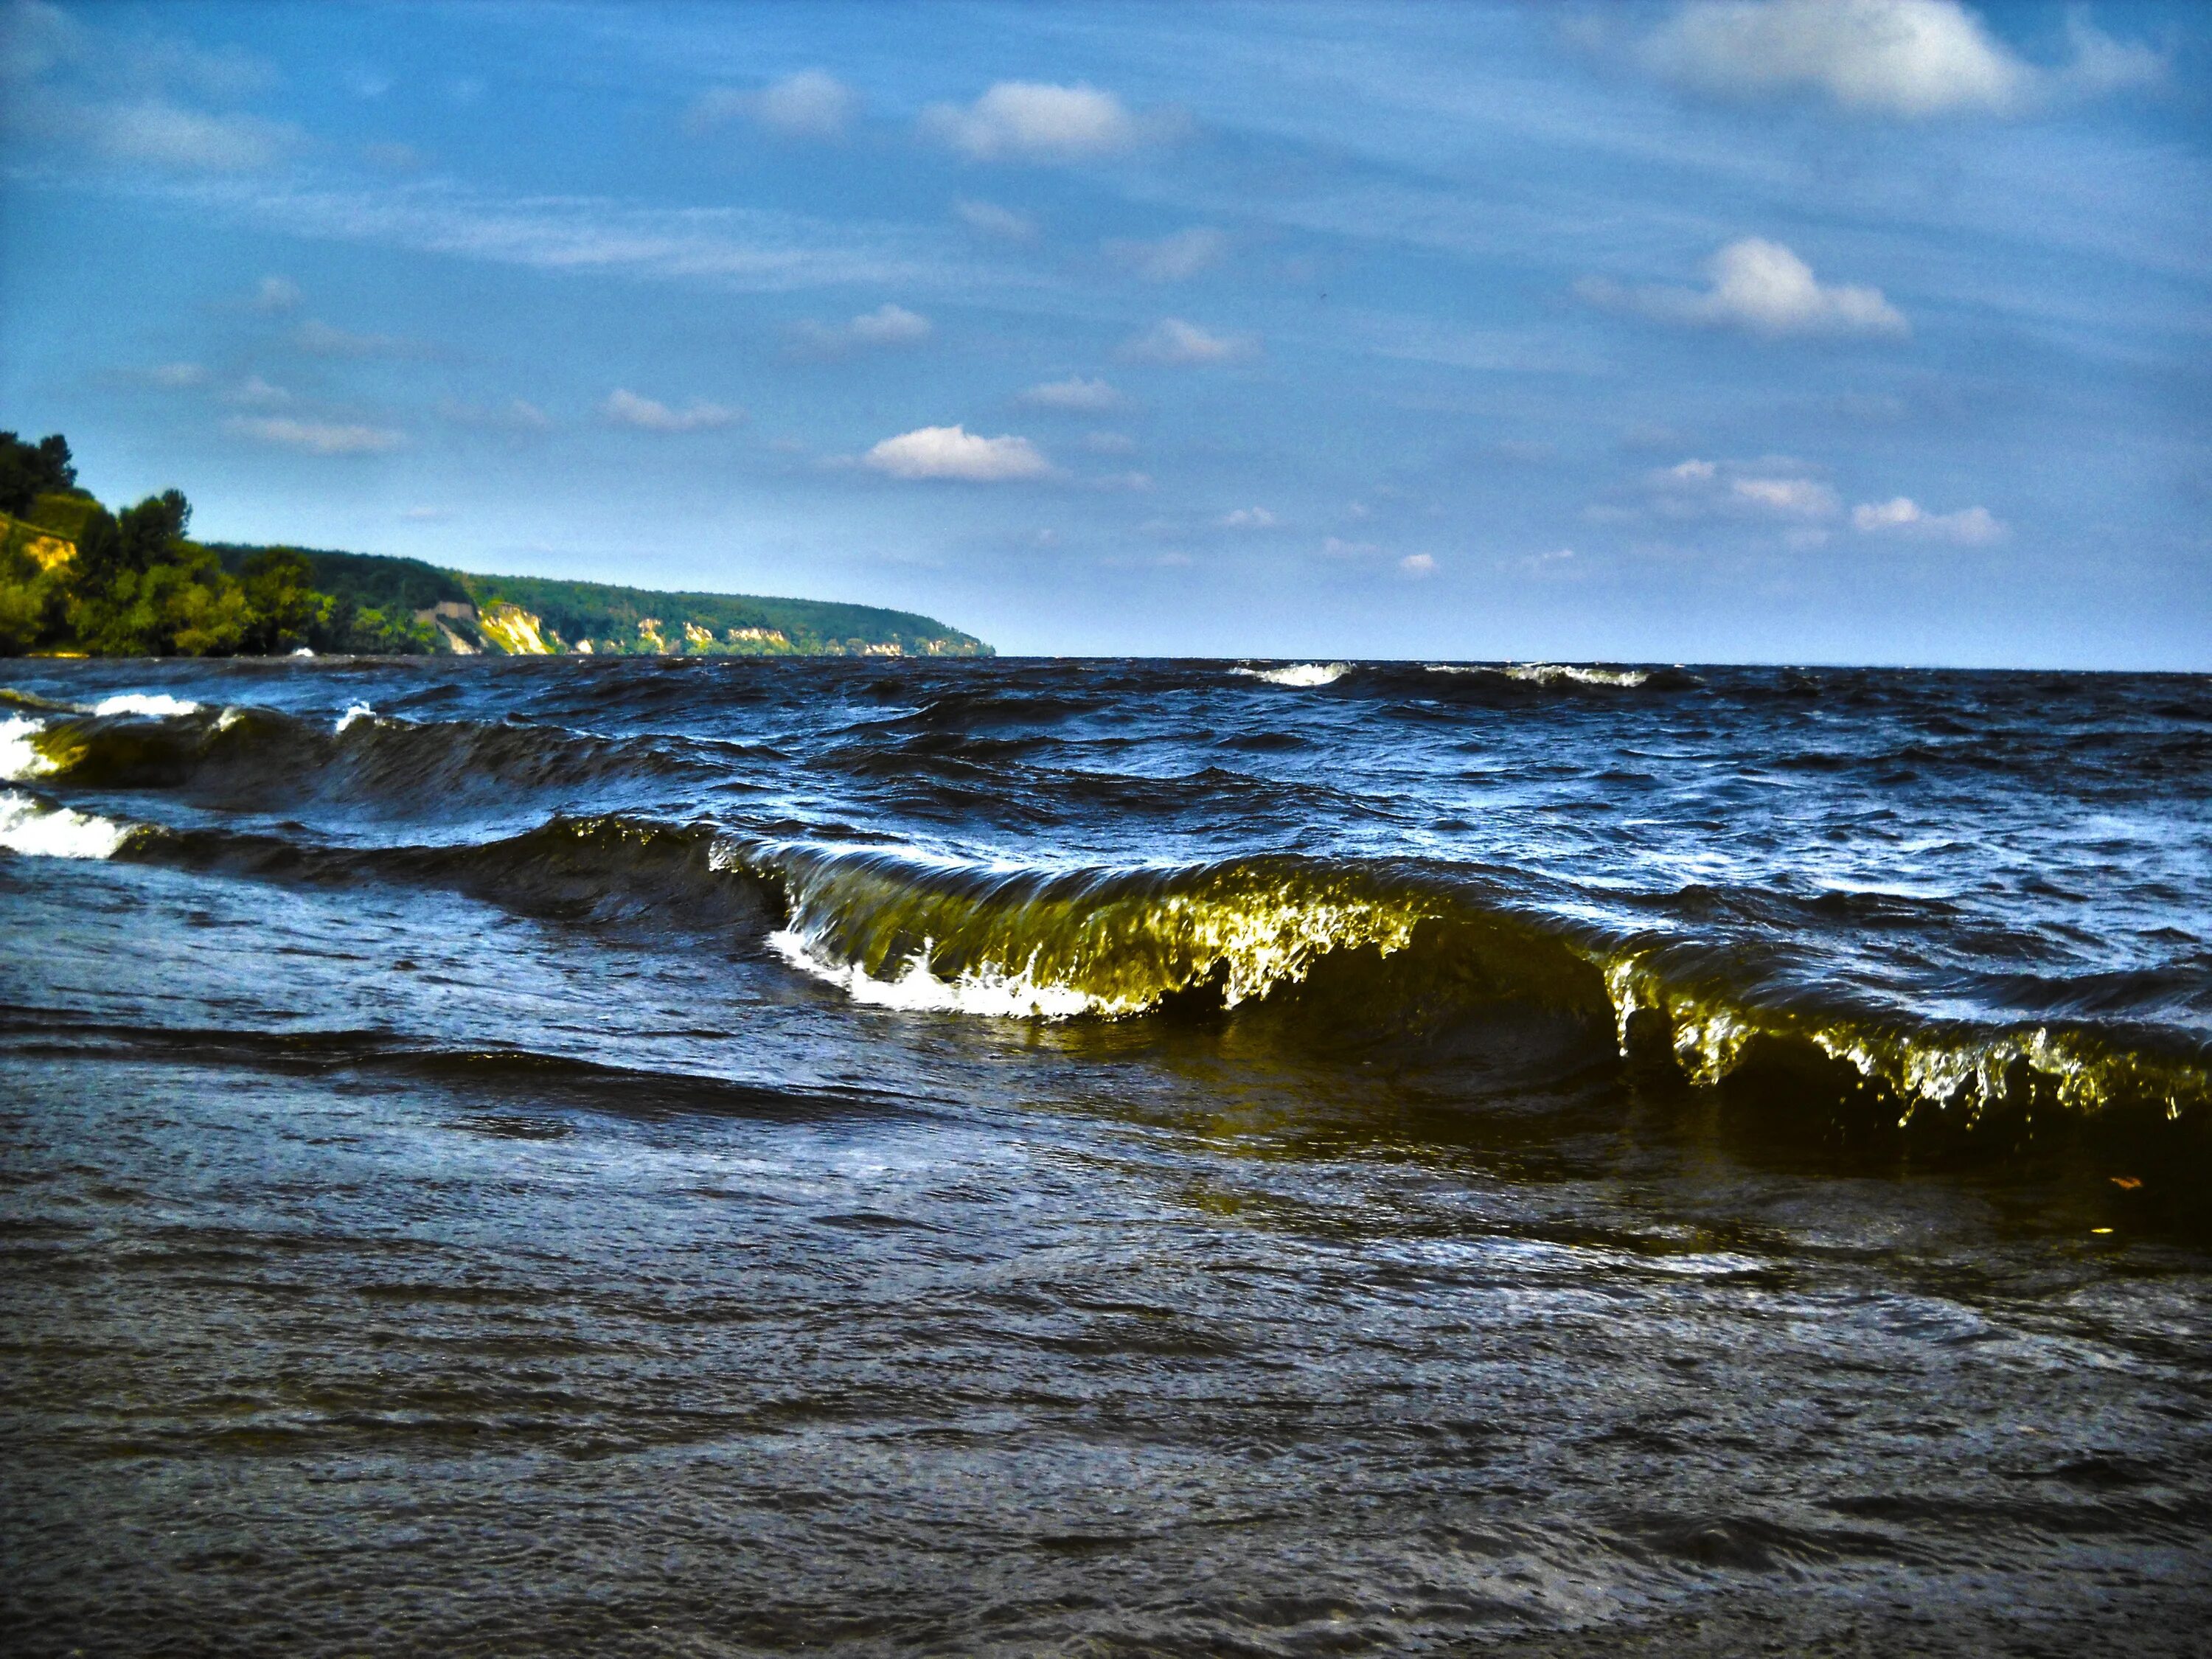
{"x":1103,"y":1157}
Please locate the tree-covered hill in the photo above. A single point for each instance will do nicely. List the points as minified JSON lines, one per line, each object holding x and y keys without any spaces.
{"x":77,"y":580}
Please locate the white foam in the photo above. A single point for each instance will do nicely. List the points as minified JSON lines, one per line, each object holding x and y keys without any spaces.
{"x":917,"y":990}
{"x":142,"y":703}
{"x":359,"y":711}
{"x":1303,"y":673}
{"x":1545,"y":673}
{"x":19,"y":758}
{"x":55,"y":832}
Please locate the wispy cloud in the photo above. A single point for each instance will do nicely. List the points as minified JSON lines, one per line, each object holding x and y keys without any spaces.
{"x":1175,"y":342}
{"x":954,"y":453}
{"x":1075,"y":395}
{"x":626,"y":408}
{"x":1037,"y":122}
{"x":990,"y":219}
{"x":516,"y":414}
{"x":888,"y":325}
{"x":275,"y":295}
{"x":1776,"y":488}
{"x":1905,"y":58}
{"x":1974,"y":526}
{"x":1248,"y":518}
{"x":1764,"y":289}
{"x":254,"y":393}
{"x":812,"y":104}
{"x":752,"y":250}
{"x":319,"y":339}
{"x":317,"y":437}
{"x":1171,"y":258}
{"x":131,"y":98}
{"x":1418,"y":565}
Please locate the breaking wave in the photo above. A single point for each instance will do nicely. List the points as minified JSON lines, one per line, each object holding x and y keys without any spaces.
{"x":1408,"y":950}
{"x":1301,"y":673}
{"x":37,"y":829}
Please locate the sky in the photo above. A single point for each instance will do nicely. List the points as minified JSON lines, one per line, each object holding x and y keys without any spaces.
{"x":1807,"y":331}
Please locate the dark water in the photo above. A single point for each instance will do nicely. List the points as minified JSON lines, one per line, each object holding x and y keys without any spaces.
{"x":713,"y":1157}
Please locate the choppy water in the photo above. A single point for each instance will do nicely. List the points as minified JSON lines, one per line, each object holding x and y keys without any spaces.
{"x":1098,"y":1157}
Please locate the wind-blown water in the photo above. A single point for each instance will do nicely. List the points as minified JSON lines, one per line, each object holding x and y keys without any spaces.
{"x":733,"y":1156}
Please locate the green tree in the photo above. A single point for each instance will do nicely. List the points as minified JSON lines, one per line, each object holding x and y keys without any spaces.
{"x":285,"y":612}
{"x":30,"y":470}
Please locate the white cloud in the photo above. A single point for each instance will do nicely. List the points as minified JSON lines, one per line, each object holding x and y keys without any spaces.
{"x":116,"y":95}
{"x":276,"y":295}
{"x":990,"y":219}
{"x":1765,"y":289}
{"x":317,"y":437}
{"x":812,"y":104}
{"x":1249,"y":518}
{"x":321,"y":340}
{"x":1794,"y":498}
{"x":886,"y":325}
{"x":952,"y":452}
{"x":1907,"y":58}
{"x":1033,"y":121}
{"x":175,"y":377}
{"x":1174,"y":341}
{"x":1074,"y":394}
{"x":751,"y":250}
{"x":167,"y":135}
{"x":1974,"y":526}
{"x":1172,"y":258}
{"x":256,"y":392}
{"x":1776,"y":488}
{"x":1418,"y":565}
{"x":628,"y":409}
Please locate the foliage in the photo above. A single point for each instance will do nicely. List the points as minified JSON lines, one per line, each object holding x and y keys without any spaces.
{"x":74,"y":578}
{"x":30,"y":470}
{"x":612,"y":619}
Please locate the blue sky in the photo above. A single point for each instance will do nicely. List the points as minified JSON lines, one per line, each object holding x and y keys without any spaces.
{"x":1861,"y":330}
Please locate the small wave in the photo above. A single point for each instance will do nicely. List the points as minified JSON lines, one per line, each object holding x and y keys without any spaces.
{"x":37,"y":829}
{"x":894,"y":928}
{"x":1301,"y":674}
{"x":354,"y":715}
{"x":156,"y":704}
{"x":1551,"y":673}
{"x":20,"y":756}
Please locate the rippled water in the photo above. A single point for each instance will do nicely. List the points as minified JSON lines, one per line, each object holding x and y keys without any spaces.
{"x":1009,"y":1157}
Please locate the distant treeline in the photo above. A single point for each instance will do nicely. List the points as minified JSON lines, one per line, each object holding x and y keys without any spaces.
{"x":77,"y":579}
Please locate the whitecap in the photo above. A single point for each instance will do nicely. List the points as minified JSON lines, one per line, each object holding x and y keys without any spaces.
{"x":142,"y":703}
{"x":359,"y":711}
{"x":1302,"y":673}
{"x":918,"y":990}
{"x":37,"y":830}
{"x":1546,"y":673}
{"x":18,"y":757}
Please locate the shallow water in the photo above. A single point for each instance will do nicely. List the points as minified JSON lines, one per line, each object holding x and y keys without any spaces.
{"x":1012,"y":1158}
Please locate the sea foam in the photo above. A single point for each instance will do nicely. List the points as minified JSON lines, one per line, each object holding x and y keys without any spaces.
{"x":19,"y":755}
{"x":1302,"y":673}
{"x":140,"y":702}
{"x":37,"y":830}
